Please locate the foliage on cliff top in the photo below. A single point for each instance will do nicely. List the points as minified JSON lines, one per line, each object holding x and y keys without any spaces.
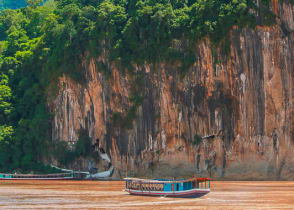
{"x":39,"y":43}
{"x":137,"y":31}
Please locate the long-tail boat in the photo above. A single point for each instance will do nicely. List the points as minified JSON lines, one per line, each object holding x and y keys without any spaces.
{"x":60,"y":176}
{"x":187,"y":188}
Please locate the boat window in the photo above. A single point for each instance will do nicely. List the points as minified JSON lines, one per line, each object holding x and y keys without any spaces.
{"x":177,"y":187}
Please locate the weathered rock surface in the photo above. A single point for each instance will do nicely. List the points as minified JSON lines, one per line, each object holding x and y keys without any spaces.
{"x":246,"y":98}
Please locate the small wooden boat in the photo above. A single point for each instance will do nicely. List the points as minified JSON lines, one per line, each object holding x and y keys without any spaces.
{"x":60,"y":176}
{"x":186,"y":188}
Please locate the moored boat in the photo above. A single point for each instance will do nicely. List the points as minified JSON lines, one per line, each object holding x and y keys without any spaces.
{"x":186,"y":188}
{"x":59,"y":176}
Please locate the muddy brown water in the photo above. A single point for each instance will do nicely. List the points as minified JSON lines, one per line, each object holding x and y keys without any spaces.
{"x":24,"y":194}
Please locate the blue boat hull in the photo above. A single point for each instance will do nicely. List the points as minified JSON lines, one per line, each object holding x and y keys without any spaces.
{"x":195,"y":193}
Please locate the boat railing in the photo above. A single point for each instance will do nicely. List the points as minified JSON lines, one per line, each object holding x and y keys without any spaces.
{"x":144,"y":186}
{"x":167,"y":185}
{"x":204,"y":185}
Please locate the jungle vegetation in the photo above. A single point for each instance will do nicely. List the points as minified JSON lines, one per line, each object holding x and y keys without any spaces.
{"x":42,"y":41}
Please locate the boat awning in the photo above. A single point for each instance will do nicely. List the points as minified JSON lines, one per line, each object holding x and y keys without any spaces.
{"x":168,"y":181}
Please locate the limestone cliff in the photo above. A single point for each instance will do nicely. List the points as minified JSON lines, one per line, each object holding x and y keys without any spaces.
{"x":245,"y":99}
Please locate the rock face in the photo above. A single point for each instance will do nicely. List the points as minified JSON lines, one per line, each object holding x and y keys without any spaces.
{"x":245,"y":99}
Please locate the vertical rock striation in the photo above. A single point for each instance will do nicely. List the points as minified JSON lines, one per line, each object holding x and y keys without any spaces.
{"x":244,"y":99}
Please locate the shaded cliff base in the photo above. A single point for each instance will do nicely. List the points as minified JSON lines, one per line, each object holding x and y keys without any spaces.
{"x":238,"y":171}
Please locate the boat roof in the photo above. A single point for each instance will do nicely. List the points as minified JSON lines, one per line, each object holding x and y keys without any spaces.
{"x":168,"y":181}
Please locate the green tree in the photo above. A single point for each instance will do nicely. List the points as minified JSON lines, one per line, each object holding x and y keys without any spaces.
{"x":5,"y":99}
{"x":83,"y":146}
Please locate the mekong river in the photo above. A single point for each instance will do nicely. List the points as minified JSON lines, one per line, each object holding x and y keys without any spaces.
{"x":110,"y":195}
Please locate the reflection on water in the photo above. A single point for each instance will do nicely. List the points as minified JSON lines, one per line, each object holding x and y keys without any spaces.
{"x":110,"y":195}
